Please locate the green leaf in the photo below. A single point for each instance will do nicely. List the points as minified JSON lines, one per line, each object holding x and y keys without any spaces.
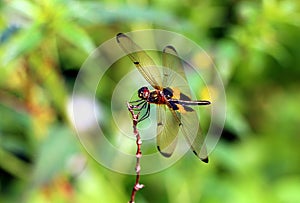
{"x":25,"y":8}
{"x":25,"y":41}
{"x":53,"y":154}
{"x":76,"y":36}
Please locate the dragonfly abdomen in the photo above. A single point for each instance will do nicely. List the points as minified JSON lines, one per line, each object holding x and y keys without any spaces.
{"x":177,"y":106}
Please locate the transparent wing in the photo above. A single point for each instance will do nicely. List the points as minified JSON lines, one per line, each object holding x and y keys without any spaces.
{"x":167,"y":130}
{"x":175,"y":78}
{"x":141,"y":60}
{"x":173,"y":73}
{"x":192,"y":132}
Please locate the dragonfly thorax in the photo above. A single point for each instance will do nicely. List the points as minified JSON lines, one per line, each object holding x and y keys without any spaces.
{"x":154,"y":96}
{"x":168,"y":93}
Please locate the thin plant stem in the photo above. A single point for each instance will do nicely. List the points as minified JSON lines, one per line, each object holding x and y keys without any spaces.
{"x":137,"y":186}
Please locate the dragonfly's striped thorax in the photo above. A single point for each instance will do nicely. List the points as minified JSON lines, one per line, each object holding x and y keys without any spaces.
{"x":171,"y":97}
{"x":154,"y":96}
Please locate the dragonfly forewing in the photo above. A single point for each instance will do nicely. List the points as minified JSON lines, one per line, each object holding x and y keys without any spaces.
{"x":144,"y":63}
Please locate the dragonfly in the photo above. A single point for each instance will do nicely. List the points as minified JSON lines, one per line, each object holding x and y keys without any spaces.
{"x":172,"y":97}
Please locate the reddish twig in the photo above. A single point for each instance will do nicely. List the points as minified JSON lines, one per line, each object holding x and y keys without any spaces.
{"x":137,"y":186}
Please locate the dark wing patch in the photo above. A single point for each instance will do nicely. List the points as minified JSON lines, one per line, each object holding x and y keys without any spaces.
{"x":187,"y":108}
{"x":202,"y":159}
{"x":184,"y":97}
{"x":174,"y":105}
{"x":165,"y":154}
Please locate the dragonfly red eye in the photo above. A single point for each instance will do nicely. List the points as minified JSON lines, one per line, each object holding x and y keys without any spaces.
{"x":143,"y":93}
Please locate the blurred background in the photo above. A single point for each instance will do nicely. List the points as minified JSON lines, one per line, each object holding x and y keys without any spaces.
{"x":255,"y":46}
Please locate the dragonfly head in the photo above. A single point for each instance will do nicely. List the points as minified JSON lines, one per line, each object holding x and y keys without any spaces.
{"x":144,"y":93}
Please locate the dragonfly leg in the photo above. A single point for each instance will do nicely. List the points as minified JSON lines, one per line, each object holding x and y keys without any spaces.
{"x":138,"y":106}
{"x":146,"y":115}
{"x":135,"y":101}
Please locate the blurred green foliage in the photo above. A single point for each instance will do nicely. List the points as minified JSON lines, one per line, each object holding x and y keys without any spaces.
{"x":255,"y":47}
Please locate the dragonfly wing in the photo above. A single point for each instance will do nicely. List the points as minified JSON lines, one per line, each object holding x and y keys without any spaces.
{"x":167,"y":130}
{"x":173,"y":72}
{"x":192,"y":132}
{"x":174,"y":77}
{"x":141,"y":60}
